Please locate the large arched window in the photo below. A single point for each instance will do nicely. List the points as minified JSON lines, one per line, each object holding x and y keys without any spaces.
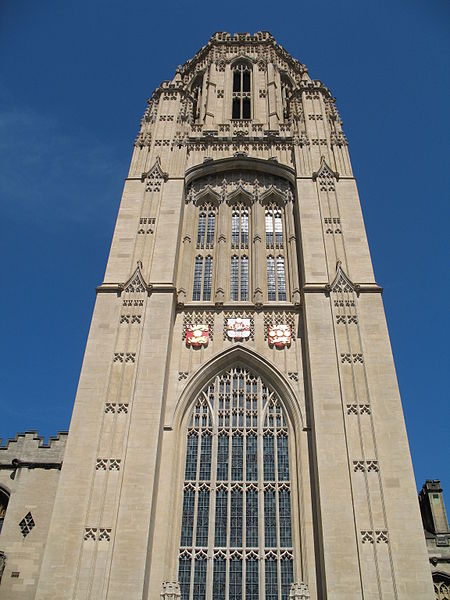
{"x":242,"y":96}
{"x":236,"y":532}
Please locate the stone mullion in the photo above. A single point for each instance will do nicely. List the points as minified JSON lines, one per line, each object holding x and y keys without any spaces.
{"x":292,"y":262}
{"x":260,"y":459}
{"x":213,"y":489}
{"x":259,"y":254}
{"x":222,"y":256}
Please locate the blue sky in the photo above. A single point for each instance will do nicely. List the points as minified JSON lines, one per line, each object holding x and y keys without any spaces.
{"x":74,"y":77}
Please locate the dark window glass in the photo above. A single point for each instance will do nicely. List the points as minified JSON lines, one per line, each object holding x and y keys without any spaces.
{"x":236,"y":458}
{"x":236,"y":81}
{"x":244,"y":277}
{"x":271,"y":278}
{"x":197,"y":278}
{"x":246,"y":81}
{"x":201,"y":230}
{"x":284,"y":501}
{"x":270,"y":521}
{"x":281,"y":276}
{"x":222,"y":458}
{"x":283,"y":458}
{"x":234,"y":279}
{"x":219,"y":579}
{"x":200,"y":579}
{"x":236,"y":108}
{"x":236,"y":519}
{"x":187,"y":522}
{"x":205,"y":457}
{"x":269,"y":458}
{"x":207,"y":281}
{"x":251,"y":580}
{"x":235,"y":218}
{"x":252,"y":518}
{"x":221,"y":518}
{"x":191,"y":457}
{"x":287,"y":577}
{"x":184,"y":576}
{"x":271,"y":580}
{"x":246,"y":108}
{"x":235,"y":579}
{"x":211,"y":227}
{"x":251,"y":458}
{"x":202,"y":518}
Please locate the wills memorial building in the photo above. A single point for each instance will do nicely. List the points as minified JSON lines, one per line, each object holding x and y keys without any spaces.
{"x":237,"y":431}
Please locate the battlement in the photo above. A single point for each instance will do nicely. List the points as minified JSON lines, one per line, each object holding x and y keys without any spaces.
{"x":30,"y":447}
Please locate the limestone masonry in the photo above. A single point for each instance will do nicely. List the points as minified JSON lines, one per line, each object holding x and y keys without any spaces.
{"x":237,"y":431}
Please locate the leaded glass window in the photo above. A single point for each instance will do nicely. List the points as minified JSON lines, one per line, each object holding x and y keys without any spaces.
{"x":274,"y":228}
{"x":236,"y":422}
{"x":276,"y":279}
{"x":206,"y":227}
{"x":202,"y":278}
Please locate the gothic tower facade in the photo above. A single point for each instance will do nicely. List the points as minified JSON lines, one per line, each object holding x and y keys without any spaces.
{"x":238,"y":431}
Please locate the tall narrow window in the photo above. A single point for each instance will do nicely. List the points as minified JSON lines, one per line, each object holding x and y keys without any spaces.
{"x":281,"y":279}
{"x":271,"y":287}
{"x":206,"y":227}
{"x":241,"y":91}
{"x":226,"y":508}
{"x":196,"y":94}
{"x":276,"y":279}
{"x":286,"y":93}
{"x":239,"y":227}
{"x":274,"y":228}
{"x":239,"y":275}
{"x":202,"y":278}
{"x":234,"y":278}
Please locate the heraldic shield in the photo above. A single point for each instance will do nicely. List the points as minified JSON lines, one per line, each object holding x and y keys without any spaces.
{"x":238,"y":329}
{"x":197,"y":335}
{"x":279,"y":336}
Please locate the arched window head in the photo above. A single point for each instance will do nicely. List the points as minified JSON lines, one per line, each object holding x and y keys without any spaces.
{"x":242,"y":85}
{"x":196,"y":93}
{"x":237,"y":493}
{"x":274,"y":227}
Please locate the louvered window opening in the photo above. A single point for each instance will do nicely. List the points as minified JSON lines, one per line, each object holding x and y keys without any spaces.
{"x":242,"y":75}
{"x":237,"y":494}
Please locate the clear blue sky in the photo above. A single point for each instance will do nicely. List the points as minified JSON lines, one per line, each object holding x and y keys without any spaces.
{"x":74,"y":77}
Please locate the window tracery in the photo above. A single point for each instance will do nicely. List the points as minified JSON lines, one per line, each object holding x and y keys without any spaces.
{"x":233,"y":510}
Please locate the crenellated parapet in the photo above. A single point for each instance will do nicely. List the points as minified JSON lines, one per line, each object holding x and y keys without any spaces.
{"x":30,"y":450}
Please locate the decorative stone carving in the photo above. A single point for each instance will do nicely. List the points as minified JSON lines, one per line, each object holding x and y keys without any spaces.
{"x":170,"y":591}
{"x":155,"y":175}
{"x":299,"y":591}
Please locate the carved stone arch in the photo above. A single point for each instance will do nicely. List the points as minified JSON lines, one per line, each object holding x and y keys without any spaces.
{"x":242,"y":58}
{"x":155,"y":172}
{"x":273,"y":196}
{"x":324,"y":170}
{"x":244,"y":357}
{"x":136,"y":283}
{"x":341,"y":281}
{"x":206,"y":194}
{"x":240,"y":194}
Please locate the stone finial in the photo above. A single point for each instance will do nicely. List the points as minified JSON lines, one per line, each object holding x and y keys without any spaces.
{"x":299,"y":591}
{"x":170,"y":591}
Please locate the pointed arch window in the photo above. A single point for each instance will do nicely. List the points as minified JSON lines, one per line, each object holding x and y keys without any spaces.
{"x":241,"y":514}
{"x":242,"y":84}
{"x":206,"y":227}
{"x":286,"y":93}
{"x":274,"y":228}
{"x":196,"y":94}
{"x":202,"y":278}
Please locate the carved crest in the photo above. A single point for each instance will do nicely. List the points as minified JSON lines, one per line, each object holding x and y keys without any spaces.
{"x":279,"y":336}
{"x":197,"y":335}
{"x":238,"y":329}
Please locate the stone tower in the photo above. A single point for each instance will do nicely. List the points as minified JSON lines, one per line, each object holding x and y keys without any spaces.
{"x":238,"y":431}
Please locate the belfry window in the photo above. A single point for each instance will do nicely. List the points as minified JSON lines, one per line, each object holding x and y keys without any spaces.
{"x":202,"y":278}
{"x":196,"y":92}
{"x":286,"y":93}
{"x":238,"y":512}
{"x":241,"y":91}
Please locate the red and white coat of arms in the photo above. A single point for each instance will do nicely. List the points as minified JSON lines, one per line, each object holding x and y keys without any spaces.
{"x":238,"y":329}
{"x":197,"y":335}
{"x":279,"y":335}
